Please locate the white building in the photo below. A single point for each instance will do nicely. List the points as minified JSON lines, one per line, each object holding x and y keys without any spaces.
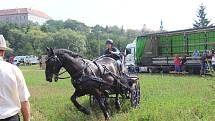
{"x":22,"y":16}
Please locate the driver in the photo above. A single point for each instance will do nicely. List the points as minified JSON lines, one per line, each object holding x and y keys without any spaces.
{"x":114,"y":53}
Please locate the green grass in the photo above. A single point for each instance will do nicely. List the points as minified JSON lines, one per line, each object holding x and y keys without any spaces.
{"x":163,"y":98}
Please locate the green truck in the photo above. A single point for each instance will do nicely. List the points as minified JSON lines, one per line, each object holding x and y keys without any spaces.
{"x":156,"y":51}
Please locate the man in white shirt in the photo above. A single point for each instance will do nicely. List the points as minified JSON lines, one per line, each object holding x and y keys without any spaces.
{"x":14,"y":93}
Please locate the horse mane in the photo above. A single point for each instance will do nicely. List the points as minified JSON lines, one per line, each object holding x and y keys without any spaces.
{"x":63,"y":51}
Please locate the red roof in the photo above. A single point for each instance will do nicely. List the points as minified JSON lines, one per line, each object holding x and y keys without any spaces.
{"x":24,"y":11}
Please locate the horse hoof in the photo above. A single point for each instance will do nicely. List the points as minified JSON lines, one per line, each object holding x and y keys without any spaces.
{"x":107,"y":117}
{"x":87,"y":112}
{"x":117,"y":105}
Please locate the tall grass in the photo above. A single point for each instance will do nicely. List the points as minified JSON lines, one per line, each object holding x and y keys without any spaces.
{"x":163,"y":98}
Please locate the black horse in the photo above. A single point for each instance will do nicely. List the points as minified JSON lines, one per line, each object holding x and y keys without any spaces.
{"x":99,"y":78}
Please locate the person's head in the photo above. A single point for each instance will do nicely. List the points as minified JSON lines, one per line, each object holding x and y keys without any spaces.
{"x":109,"y":43}
{"x":204,"y":52}
{"x":3,"y":46}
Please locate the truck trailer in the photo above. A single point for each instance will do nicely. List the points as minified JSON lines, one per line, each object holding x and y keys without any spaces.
{"x":157,"y":51}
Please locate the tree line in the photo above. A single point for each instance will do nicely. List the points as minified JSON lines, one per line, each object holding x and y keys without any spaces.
{"x":70,"y":34}
{"x":74,"y":35}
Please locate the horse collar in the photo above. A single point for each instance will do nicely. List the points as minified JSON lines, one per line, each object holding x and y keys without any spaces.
{"x":81,"y":72}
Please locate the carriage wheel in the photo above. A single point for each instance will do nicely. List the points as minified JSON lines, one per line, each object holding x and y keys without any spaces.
{"x":135,"y":94}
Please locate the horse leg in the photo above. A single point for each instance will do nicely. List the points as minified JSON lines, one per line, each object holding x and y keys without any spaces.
{"x":117,"y":103}
{"x":102,"y":105}
{"x":76,"y":94}
{"x":106,"y":103}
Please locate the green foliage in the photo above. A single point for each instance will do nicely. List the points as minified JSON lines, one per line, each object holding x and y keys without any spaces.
{"x":202,"y":21}
{"x":69,"y":34}
{"x":16,"y":38}
{"x":52,"y":26}
{"x":36,"y":38}
{"x":69,"y":39}
{"x":76,"y":26}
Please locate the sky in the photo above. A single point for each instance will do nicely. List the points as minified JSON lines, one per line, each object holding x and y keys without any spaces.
{"x":131,"y":14}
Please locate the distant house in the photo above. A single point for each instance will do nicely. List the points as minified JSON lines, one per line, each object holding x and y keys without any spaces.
{"x":23,"y":16}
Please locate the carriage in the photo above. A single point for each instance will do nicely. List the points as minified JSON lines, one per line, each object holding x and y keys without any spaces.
{"x":133,"y":94}
{"x":101,"y":79}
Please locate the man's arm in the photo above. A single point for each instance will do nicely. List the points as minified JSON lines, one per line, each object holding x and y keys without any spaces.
{"x":115,"y":51}
{"x":23,"y":94}
{"x":25,"y":109}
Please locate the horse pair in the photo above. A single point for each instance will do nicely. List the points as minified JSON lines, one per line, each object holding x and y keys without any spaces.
{"x":98,"y":78}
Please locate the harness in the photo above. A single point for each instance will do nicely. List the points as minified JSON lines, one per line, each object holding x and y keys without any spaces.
{"x":76,"y":74}
{"x":82,"y":76}
{"x":58,"y":74}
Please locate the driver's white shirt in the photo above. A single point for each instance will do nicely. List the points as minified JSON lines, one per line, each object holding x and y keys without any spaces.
{"x":13,"y":89}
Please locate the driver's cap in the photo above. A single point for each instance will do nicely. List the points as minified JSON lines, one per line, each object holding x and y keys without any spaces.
{"x":109,"y":41}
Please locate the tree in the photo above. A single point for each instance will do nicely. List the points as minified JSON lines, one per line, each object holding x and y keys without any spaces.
{"x":76,"y":26}
{"x":69,"y":39}
{"x":97,"y":28}
{"x":202,"y":21}
{"x":52,"y":26}
{"x":16,"y":38}
{"x":70,"y":34}
{"x":35,"y":37}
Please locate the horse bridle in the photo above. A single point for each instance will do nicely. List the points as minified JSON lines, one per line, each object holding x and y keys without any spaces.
{"x":56,"y":75}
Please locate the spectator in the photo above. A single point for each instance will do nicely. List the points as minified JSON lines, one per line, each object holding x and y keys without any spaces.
{"x":183,"y":63}
{"x":196,"y":54}
{"x":11,"y":59}
{"x":213,"y":49}
{"x":177,"y":63}
{"x":203,"y":63}
{"x":213,"y":62}
{"x":13,"y":90}
{"x":40,"y":61}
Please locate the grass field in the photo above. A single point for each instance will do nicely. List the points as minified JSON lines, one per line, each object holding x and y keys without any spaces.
{"x":163,"y":98}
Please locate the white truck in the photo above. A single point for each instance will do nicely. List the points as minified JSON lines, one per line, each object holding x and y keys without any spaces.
{"x":131,"y":57}
{"x":31,"y":59}
{"x":18,"y":60}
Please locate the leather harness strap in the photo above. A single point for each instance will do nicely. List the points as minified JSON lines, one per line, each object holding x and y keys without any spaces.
{"x":98,"y":66}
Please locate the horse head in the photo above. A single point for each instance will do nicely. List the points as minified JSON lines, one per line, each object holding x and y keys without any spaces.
{"x":58,"y":58}
{"x":53,"y":65}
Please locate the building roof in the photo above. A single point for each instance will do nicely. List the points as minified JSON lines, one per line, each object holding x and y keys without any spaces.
{"x":24,"y":11}
{"x":204,"y":29}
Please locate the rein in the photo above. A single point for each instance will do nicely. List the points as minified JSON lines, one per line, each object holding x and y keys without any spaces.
{"x":57,"y":75}
{"x":80,"y":72}
{"x":62,"y":77}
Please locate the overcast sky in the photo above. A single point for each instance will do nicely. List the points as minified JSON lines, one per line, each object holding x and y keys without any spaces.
{"x":176,"y":14}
